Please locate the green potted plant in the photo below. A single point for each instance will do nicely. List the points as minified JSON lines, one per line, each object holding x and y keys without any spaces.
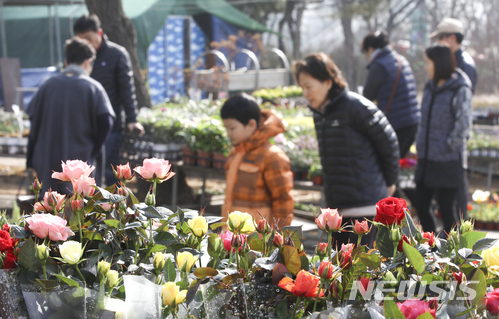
{"x":315,"y":173}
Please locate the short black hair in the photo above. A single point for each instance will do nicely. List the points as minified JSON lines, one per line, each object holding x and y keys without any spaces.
{"x":242,"y":107}
{"x":459,"y":36}
{"x":322,"y":68}
{"x":375,"y":40}
{"x":78,"y":50}
{"x":443,"y":60}
{"x":86,"y":23}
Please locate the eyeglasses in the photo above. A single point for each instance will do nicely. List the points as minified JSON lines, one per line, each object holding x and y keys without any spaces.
{"x":443,"y":36}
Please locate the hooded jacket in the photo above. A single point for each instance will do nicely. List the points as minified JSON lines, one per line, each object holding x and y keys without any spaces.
{"x":258,"y":175}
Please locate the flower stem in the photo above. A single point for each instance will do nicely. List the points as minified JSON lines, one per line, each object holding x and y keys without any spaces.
{"x":359,"y":240}
{"x":317,"y":297}
{"x":44,"y":271}
{"x":298,"y":300}
{"x":79,"y":227}
{"x":79,"y":272}
{"x":395,"y":246}
{"x":329,"y":243}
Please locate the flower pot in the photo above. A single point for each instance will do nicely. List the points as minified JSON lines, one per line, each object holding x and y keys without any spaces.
{"x":12,"y":145}
{"x":489,"y":226}
{"x":67,"y":303}
{"x":483,"y":152}
{"x":203,"y":158}
{"x":475,"y":153}
{"x":188,"y":156}
{"x":219,"y":160}
{"x":317,"y":180}
{"x":142,"y":298}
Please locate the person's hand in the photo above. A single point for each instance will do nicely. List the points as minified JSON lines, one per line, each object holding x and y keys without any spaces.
{"x":391,"y":189}
{"x":136,"y":126}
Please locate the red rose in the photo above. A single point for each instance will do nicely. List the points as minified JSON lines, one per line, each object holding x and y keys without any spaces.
{"x":431,"y":238}
{"x":390,"y":210}
{"x":10,"y":261}
{"x":401,"y":243}
{"x":6,"y":227}
{"x":346,"y":260}
{"x":6,"y":242}
{"x":492,"y":302}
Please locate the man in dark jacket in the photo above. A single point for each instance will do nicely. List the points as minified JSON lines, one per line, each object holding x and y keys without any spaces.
{"x":450,"y":31}
{"x":71,"y":118}
{"x":112,"y":69}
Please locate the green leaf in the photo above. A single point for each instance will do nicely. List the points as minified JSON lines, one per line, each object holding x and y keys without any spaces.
{"x":479,"y":285}
{"x":291,"y":259}
{"x":216,"y":225}
{"x":429,"y":278}
{"x":169,"y":271}
{"x":415,"y":257}
{"x":27,"y":257}
{"x":468,"y":239}
{"x":92,"y":235}
{"x":391,"y":310}
{"x":112,"y":223}
{"x":372,"y":261}
{"x":46,"y":285}
{"x":410,"y":224}
{"x":426,"y":315}
{"x":151,"y":212}
{"x":180,"y":214}
{"x":157,"y":248}
{"x":204,"y":272}
{"x":69,"y":281}
{"x":383,"y":242}
{"x":295,"y":232}
{"x":135,"y":201}
{"x":255,"y":242}
{"x":484,"y":243}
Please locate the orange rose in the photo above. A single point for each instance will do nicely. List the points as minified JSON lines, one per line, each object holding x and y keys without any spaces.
{"x":305,"y":285}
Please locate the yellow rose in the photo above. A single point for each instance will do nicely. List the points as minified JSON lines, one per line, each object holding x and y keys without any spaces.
{"x":112,"y":278}
{"x":242,"y":221}
{"x":159,"y":261}
{"x":491,"y":256}
{"x":71,"y":251}
{"x":185,"y":261}
{"x":199,"y":226}
{"x":171,"y":294}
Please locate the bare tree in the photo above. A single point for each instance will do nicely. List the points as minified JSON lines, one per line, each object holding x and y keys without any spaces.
{"x":119,"y":28}
{"x":293,"y":14}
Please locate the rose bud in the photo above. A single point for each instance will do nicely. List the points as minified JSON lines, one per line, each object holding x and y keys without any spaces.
{"x":459,"y":277}
{"x":326,"y":270}
{"x":278,"y":240}
{"x":159,"y":261}
{"x":122,"y":191}
{"x":112,"y":279}
{"x":102,"y":268}
{"x":77,"y":205}
{"x":123,"y":172}
{"x":361,"y":228}
{"x":321,"y":250}
{"x":400,"y":246}
{"x":364,"y":281}
{"x":466,"y":226}
{"x":329,"y":220}
{"x":262,"y":227}
{"x":395,"y":234}
{"x":150,"y":198}
{"x":346,"y":260}
{"x":37,"y":186}
{"x":42,"y":253}
{"x":431,"y":238}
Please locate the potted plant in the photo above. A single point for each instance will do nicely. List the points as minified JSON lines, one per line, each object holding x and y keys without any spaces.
{"x":315,"y":173}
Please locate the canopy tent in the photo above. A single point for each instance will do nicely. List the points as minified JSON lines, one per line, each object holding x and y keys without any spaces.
{"x":29,"y":29}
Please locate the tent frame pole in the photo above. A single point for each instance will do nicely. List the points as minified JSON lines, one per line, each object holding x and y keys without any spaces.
{"x":58,"y":36}
{"x":51,"y":35}
{"x":2,"y":30}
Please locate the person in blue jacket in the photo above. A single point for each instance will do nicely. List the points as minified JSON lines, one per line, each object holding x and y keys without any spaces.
{"x":445,"y":122}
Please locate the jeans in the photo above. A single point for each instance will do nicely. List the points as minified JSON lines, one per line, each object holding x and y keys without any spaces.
{"x":113,"y":146}
{"x":445,"y":201}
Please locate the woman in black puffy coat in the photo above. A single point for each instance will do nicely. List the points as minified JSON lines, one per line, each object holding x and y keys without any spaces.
{"x":358,"y":147}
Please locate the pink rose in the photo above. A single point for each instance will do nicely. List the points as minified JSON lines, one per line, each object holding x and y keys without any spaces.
{"x":227,"y":237}
{"x":155,"y":169}
{"x":329,"y":220}
{"x":123,"y":172}
{"x":347,"y":247}
{"x":106,"y":206}
{"x":326,"y":270}
{"x":413,"y":308}
{"x":83,"y":186}
{"x":361,"y":228}
{"x":50,"y":199}
{"x":43,"y":225}
{"x":73,"y":170}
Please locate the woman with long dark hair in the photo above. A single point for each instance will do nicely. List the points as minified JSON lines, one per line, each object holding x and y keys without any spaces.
{"x":445,"y":121}
{"x":358,"y":147}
